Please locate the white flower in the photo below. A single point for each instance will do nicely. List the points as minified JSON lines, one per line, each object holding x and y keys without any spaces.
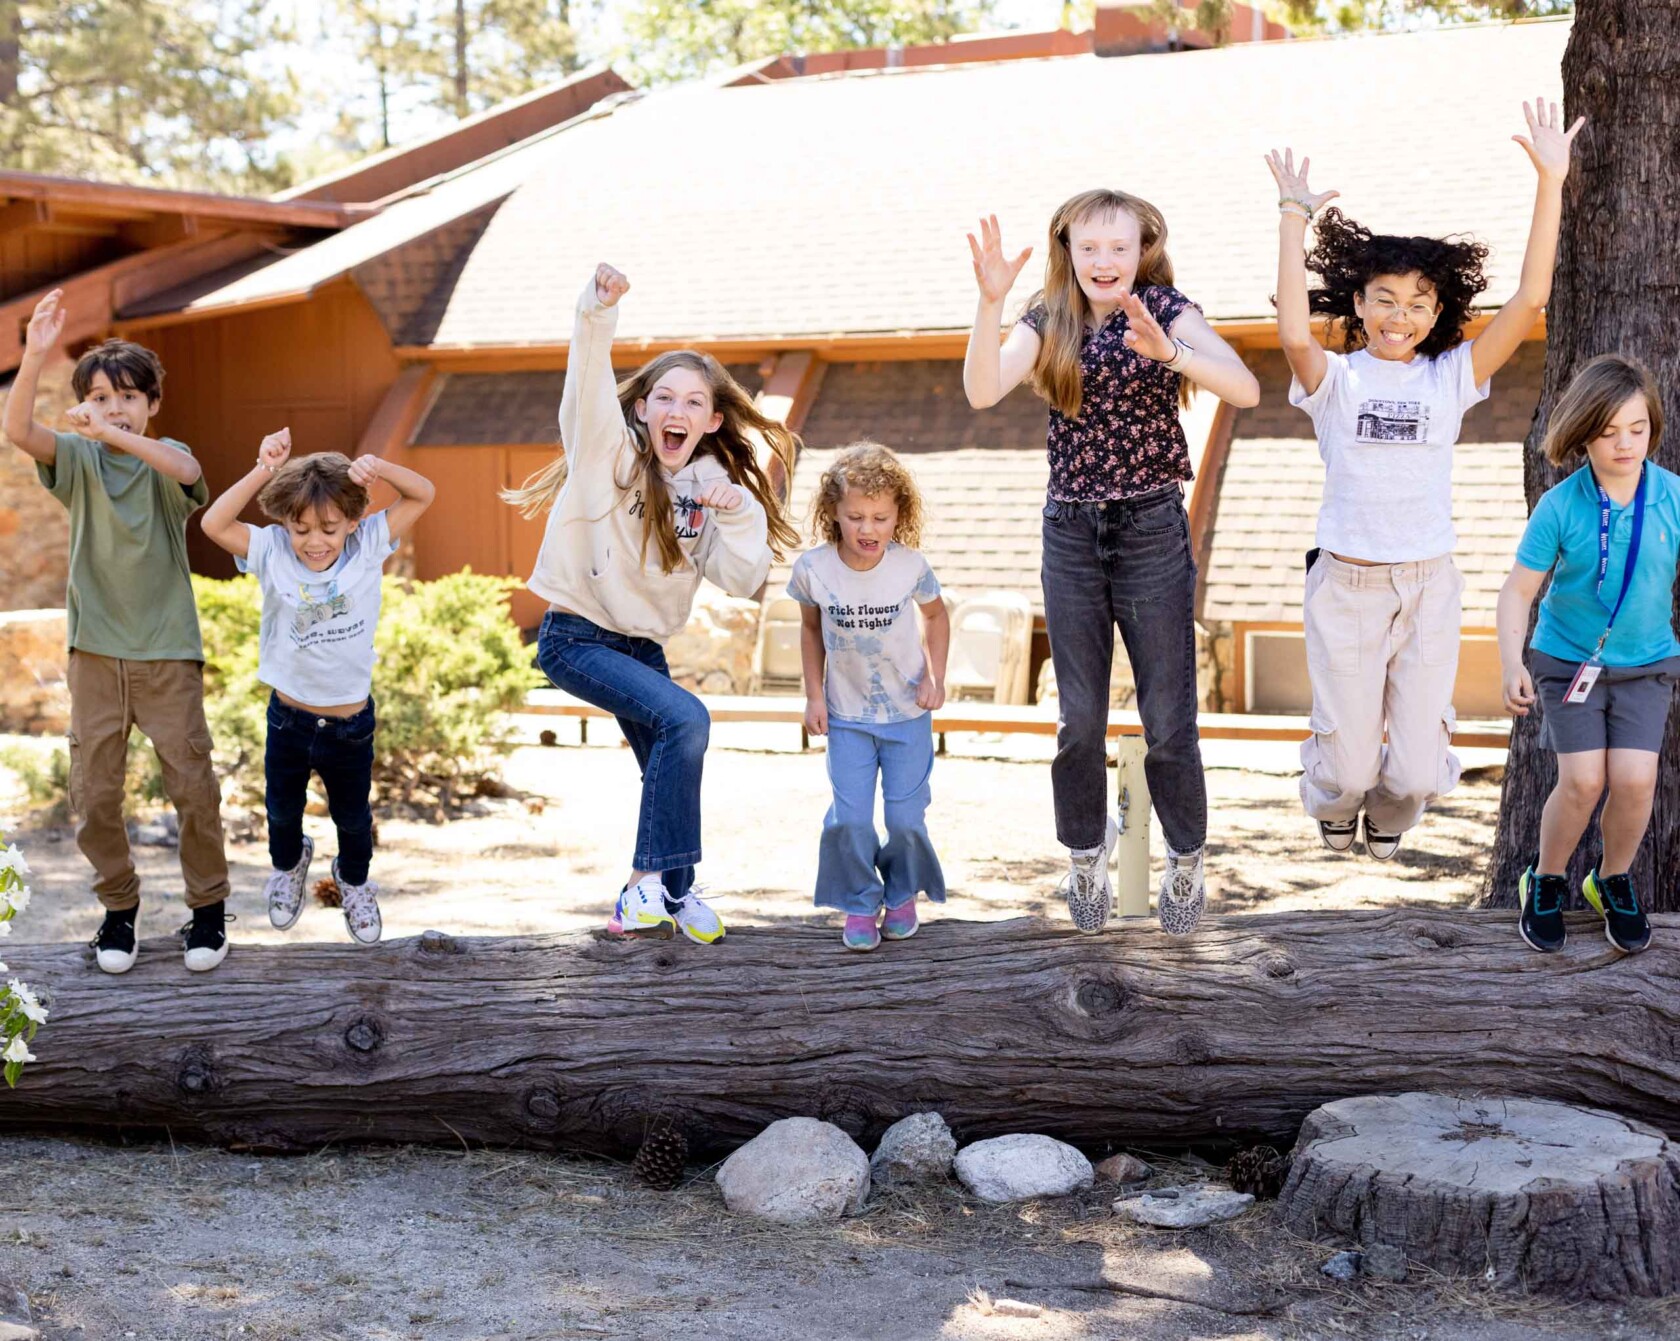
{"x":17,"y":1051}
{"x":28,"y":1002}
{"x":18,"y":898}
{"x":12,"y":860}
{"x":5,"y":928}
{"x":2,"y":967}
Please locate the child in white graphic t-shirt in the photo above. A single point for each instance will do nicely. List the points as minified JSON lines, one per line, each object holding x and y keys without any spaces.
{"x":321,"y":569}
{"x":870,"y":687}
{"x":1382,"y":606}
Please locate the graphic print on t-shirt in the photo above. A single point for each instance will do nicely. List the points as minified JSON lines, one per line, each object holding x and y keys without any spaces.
{"x":1392,"y":421}
{"x":312,"y":610}
{"x":687,"y":515}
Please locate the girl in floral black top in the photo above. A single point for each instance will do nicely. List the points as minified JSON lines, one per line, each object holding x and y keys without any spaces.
{"x":1112,"y":346}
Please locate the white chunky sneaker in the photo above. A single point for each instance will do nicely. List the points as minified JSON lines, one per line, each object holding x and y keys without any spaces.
{"x":1089,"y":893}
{"x":698,"y":919}
{"x":285,"y":889}
{"x":1183,"y":893}
{"x":641,"y":911}
{"x":360,"y":904}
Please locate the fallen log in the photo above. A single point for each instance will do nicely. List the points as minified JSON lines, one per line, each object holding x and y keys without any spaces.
{"x":578,"y":1041}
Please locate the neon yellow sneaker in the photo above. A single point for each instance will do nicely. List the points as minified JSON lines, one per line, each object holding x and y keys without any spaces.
{"x":1625,"y":925}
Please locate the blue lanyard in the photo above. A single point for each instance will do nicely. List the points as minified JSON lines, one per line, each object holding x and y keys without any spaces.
{"x":1604,"y":550}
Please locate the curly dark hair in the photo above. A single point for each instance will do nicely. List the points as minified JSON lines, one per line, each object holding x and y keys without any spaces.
{"x":1347,"y":256}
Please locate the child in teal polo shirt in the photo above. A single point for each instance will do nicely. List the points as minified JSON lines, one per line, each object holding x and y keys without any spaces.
{"x":1604,"y":656}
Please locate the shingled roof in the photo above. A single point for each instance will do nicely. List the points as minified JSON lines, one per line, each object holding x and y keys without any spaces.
{"x":838,"y":204}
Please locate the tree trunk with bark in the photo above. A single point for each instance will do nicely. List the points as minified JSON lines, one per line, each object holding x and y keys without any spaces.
{"x":579,"y":1041}
{"x":1615,"y":292}
{"x":1540,"y":1196}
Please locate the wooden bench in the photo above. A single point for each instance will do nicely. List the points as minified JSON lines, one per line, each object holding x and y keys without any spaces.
{"x":999,"y":719}
{"x":1131,"y":853}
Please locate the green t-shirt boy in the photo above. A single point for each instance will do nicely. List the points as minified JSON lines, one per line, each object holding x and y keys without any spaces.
{"x":130,"y":594}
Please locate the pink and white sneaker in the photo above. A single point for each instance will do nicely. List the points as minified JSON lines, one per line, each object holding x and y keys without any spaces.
{"x":861,"y":932}
{"x":900,"y":923}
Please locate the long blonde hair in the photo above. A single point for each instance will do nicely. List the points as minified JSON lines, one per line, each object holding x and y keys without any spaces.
{"x":874,"y":471}
{"x":732,"y":445}
{"x":1055,"y":373}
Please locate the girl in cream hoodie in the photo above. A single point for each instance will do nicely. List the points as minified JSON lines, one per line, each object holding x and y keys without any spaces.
{"x":658,"y":486}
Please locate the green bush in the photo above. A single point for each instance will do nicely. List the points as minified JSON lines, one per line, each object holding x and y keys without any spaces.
{"x":450,"y":667}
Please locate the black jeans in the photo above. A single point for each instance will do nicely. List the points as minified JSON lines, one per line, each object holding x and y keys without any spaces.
{"x":1126,"y":562}
{"x":340,"y":749}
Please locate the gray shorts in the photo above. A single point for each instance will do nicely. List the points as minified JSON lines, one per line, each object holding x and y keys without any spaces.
{"x":1627,"y":709}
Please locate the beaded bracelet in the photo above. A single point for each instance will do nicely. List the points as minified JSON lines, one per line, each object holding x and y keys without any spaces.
{"x":1296,"y":208}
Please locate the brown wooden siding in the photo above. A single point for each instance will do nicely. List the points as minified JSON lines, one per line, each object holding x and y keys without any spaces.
{"x":320,"y":367}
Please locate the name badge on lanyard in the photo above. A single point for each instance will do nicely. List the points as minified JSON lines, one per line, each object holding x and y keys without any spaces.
{"x":1586,"y":675}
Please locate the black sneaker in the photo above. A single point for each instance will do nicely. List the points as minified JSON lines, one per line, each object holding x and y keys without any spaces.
{"x":1542,"y":899}
{"x":206,"y":937}
{"x":117,"y":945}
{"x":1625,"y":924}
{"x":1338,"y":835}
{"x":1378,"y":844}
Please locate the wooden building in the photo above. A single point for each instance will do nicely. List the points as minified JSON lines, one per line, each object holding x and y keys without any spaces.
{"x":805,"y":224}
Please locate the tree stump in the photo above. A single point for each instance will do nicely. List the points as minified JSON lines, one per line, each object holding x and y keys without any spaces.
{"x":1535,"y":1195}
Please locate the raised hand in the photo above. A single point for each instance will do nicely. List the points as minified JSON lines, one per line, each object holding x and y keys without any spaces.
{"x":87,"y":421}
{"x":274,"y":450}
{"x":46,"y":323}
{"x":1292,"y":181}
{"x":364,"y":470}
{"x":1547,"y":144}
{"x":610,"y":284}
{"x":723,"y":496}
{"x":993,"y":271}
{"x":1144,"y":334}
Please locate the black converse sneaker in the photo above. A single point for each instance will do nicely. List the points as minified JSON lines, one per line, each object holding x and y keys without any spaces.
{"x":1338,"y":835}
{"x":117,"y":945}
{"x":205,"y":937}
{"x":1625,"y":924}
{"x":1541,"y":923}
{"x":1378,"y":844}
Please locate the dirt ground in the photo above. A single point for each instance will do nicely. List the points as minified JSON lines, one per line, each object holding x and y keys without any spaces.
{"x":175,"y":1243}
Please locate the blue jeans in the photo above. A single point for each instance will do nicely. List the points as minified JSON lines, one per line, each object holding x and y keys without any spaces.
{"x":667,"y":727}
{"x":340,"y":749}
{"x":1126,"y":562}
{"x":855,"y":873}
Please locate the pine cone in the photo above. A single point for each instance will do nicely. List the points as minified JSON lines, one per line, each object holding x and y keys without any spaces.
{"x":1259,"y":1169}
{"x":326,"y":893}
{"x":664,"y":1153}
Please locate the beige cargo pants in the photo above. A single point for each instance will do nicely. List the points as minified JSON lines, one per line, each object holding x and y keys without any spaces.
{"x":1382,"y":653}
{"x":165,"y":699}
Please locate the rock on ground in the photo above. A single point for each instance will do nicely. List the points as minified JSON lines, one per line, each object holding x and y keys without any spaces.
{"x":1123,"y":1169}
{"x":796,"y":1171}
{"x":1020,"y":1167}
{"x":1184,"y":1207}
{"x":915,"y":1149}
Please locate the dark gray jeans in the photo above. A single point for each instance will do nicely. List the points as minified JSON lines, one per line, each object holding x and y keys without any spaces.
{"x":1128,"y":563}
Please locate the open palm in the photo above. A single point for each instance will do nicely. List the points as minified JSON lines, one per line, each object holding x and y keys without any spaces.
{"x":1547,"y":143}
{"x":994,"y":272}
{"x":1292,"y":181}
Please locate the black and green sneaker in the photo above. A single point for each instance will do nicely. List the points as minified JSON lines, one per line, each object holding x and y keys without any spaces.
{"x":1542,"y":899}
{"x":1625,"y":924}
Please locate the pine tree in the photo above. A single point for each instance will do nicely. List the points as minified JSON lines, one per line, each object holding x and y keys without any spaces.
{"x":164,"y":92}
